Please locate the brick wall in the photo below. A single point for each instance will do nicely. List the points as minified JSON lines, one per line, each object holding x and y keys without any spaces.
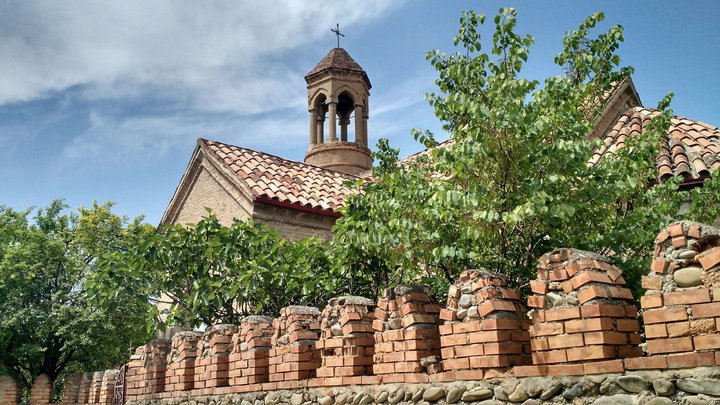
{"x":347,"y":344}
{"x":406,"y":333}
{"x":582,"y":311}
{"x":293,"y":355}
{"x":681,"y":306}
{"x":485,"y":327}
{"x":180,"y":374}
{"x":249,"y":359}
{"x":212,"y":362}
{"x":71,"y":392}
{"x":583,"y":322}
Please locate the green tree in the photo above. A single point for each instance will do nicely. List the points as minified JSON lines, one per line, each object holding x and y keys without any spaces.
{"x":48,"y":324}
{"x":513,"y":181}
{"x":209,"y":273}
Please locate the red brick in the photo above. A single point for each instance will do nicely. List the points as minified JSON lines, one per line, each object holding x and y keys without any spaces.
{"x":445,"y":329}
{"x":666,"y":315}
{"x":696,"y":296}
{"x":707,"y":342}
{"x":465,"y":327}
{"x":562,"y":314}
{"x":651,"y":301}
{"x":659,"y":266}
{"x":677,"y":329}
{"x":499,"y":323}
{"x":536,"y":301}
{"x":585,"y":277}
{"x":671,"y":345}
{"x":628,"y":325}
{"x":588,"y":325}
{"x":606,"y":338}
{"x":448,"y":315}
{"x":469,"y":350}
{"x":565,"y":341}
{"x":546,"y":329}
{"x":462,"y":363}
{"x":706,"y":310}
{"x":591,"y":353}
{"x":689,"y":360}
{"x":489,"y":336}
{"x":646,"y":363}
{"x":655,"y":331}
{"x":565,"y":369}
{"x":453,"y":340}
{"x":598,"y":310}
{"x":604,"y":367}
{"x":621,"y":293}
{"x":539,"y":287}
{"x":592,"y":292}
{"x":709,"y":258}
{"x":550,"y":356}
{"x":652,"y":283}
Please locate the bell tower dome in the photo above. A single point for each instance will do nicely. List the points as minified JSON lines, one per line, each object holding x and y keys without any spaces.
{"x":338,"y":93}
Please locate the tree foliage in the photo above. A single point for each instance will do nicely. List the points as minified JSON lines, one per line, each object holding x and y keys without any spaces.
{"x":513,"y":181}
{"x":48,"y":324}
{"x":207,"y":273}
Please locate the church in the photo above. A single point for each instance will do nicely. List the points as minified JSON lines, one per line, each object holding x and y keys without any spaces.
{"x":301,"y":199}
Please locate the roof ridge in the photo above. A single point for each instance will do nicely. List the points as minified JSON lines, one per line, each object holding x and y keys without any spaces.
{"x":205,"y":141}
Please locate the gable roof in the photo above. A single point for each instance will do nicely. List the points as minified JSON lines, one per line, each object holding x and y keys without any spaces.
{"x":286,"y":181}
{"x":690,"y":148}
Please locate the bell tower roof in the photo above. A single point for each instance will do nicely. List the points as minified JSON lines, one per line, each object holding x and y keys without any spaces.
{"x":337,"y":59}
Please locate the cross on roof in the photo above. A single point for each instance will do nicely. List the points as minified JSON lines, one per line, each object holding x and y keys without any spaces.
{"x":336,"y":30}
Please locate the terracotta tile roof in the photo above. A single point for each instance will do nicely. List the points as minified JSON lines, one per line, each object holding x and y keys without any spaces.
{"x":283,"y":180}
{"x":690,"y":149}
{"x":339,"y":59}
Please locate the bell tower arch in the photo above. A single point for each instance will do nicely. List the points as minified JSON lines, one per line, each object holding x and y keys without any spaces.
{"x":338,"y":95}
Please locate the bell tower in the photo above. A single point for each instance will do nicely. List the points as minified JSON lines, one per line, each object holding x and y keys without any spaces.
{"x":338,"y":93}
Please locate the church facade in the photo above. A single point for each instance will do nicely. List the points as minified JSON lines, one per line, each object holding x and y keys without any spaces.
{"x":301,"y":199}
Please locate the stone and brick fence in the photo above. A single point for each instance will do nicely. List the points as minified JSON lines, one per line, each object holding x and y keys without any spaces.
{"x":579,"y":343}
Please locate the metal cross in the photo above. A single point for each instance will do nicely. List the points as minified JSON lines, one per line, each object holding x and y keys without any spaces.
{"x":337,"y":33}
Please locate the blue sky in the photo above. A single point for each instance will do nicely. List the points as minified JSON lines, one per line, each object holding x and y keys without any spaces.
{"x":103,"y":100}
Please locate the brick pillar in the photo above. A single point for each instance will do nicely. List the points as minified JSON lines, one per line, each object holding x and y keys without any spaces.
{"x":211,"y":365}
{"x":9,"y":390}
{"x":485,"y":328}
{"x":156,"y":356}
{"x":582,"y":311}
{"x":681,"y":307}
{"x":251,"y":348}
{"x":347,"y":344}
{"x":107,"y":387}
{"x":96,"y":387}
{"x":41,"y":390}
{"x":72,"y":389}
{"x":406,"y":332}
{"x":293,"y":355}
{"x":84,"y":390}
{"x":135,"y":375}
{"x":180,"y":374}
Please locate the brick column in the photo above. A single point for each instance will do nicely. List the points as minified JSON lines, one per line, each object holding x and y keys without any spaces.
{"x":72,"y":389}
{"x":485,"y":328}
{"x":107,"y":386}
{"x":84,"y":390}
{"x":96,"y":387}
{"x":180,"y":374}
{"x":9,"y":390}
{"x":211,"y":365}
{"x":293,"y":355}
{"x":347,"y":344}
{"x":251,"y":348}
{"x":681,"y":307}
{"x":406,"y":334}
{"x":156,"y":356}
{"x":135,"y":375}
{"x":41,"y":390}
{"x":582,"y":311}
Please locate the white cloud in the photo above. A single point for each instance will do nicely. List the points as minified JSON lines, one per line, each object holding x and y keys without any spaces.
{"x":185,"y":51}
